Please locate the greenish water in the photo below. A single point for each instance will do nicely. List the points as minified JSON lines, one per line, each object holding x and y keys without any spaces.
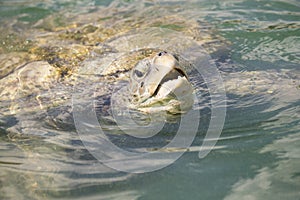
{"x":257,"y":155}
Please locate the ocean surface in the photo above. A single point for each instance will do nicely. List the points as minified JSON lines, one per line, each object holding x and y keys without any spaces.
{"x":242,"y":143}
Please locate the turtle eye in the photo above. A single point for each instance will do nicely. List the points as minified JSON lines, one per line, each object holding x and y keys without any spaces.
{"x":138,"y":73}
{"x":162,"y":53}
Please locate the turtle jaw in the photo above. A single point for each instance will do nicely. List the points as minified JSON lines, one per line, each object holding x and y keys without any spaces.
{"x":174,"y":76}
{"x":174,"y":94}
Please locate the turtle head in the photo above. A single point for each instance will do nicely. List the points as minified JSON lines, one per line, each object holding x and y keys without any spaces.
{"x":160,"y":83}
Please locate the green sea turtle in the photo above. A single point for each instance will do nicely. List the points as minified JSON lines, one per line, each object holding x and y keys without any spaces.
{"x":49,"y":61}
{"x":45,"y":86}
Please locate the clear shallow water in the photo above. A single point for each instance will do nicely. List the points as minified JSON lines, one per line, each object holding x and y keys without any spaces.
{"x":257,"y":154}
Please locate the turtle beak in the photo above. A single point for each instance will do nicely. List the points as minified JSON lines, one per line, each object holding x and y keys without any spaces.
{"x":164,"y":76}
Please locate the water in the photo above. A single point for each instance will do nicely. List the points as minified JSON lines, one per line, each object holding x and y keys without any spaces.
{"x":257,"y":153}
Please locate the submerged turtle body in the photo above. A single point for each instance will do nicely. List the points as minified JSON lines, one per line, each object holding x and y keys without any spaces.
{"x":101,"y":47}
{"x":57,"y":69}
{"x":104,"y":55}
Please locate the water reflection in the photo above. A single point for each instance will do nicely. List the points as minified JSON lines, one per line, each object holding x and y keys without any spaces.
{"x":283,"y":179}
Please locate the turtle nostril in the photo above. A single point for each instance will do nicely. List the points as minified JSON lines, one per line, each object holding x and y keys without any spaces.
{"x":162,"y":53}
